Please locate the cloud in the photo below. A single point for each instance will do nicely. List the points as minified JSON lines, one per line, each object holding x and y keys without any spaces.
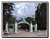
{"x":25,"y":9}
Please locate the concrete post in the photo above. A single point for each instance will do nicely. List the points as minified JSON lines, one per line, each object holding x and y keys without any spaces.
{"x":16,"y":27}
{"x":7,"y":27}
{"x":35,"y":27}
{"x":31,"y":27}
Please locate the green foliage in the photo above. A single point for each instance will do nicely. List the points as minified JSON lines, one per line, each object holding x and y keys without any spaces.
{"x":24,"y":26}
{"x":12,"y":19}
{"x":7,"y":8}
{"x":28,"y":19}
{"x":41,"y":16}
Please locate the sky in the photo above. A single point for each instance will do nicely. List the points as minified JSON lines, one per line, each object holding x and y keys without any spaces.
{"x":23,"y":10}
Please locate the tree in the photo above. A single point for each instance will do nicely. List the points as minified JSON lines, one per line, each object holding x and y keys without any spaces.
{"x":7,"y":8}
{"x":12,"y":19}
{"x":24,"y":26}
{"x":41,"y":16}
{"x":28,"y":19}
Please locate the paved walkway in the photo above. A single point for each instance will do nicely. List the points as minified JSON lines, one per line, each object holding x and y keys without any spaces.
{"x":28,"y":34}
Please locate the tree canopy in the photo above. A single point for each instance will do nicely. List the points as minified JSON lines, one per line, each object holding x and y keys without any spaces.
{"x":41,"y":16}
{"x":7,"y":13}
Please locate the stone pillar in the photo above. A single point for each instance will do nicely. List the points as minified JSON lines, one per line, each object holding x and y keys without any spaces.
{"x":35,"y":27}
{"x":31,"y":27}
{"x":16,"y":27}
{"x":7,"y":27}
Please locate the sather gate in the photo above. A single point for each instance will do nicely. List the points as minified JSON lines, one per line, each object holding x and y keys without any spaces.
{"x":23,"y":21}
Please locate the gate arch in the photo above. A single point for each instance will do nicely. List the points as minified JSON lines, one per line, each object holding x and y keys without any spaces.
{"x":24,"y":24}
{"x":23,"y":21}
